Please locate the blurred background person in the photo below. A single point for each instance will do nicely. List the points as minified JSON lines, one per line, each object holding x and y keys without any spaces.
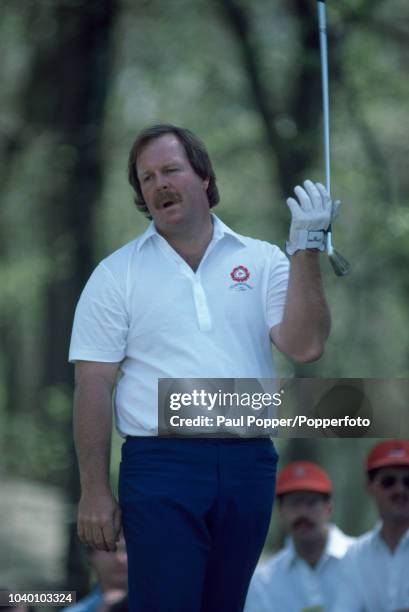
{"x":304,"y":575}
{"x":376,"y":568}
{"x":110,"y":592}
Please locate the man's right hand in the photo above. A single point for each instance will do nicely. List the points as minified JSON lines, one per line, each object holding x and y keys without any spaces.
{"x":99,"y":520}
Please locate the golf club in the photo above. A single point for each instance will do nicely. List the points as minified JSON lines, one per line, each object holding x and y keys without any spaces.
{"x":339,"y":264}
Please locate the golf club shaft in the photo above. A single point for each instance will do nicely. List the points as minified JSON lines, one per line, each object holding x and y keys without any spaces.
{"x":325,"y":96}
{"x":322,"y":21}
{"x":338,"y":263}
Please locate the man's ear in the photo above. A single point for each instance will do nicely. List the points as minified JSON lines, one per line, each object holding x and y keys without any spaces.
{"x":206,"y":182}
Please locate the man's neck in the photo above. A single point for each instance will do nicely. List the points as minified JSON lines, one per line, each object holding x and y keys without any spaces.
{"x":311,"y":551}
{"x":392,"y":532}
{"x":191,"y":242}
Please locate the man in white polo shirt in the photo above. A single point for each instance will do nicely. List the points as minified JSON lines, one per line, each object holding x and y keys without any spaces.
{"x":304,"y":576}
{"x":376,"y":568}
{"x":189,"y":298}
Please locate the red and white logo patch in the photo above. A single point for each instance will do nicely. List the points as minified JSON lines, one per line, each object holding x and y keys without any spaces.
{"x":240,"y":274}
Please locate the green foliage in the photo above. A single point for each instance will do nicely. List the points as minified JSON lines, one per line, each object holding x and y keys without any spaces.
{"x":37,"y":445}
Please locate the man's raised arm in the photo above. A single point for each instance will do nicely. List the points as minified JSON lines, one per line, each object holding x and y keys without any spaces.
{"x":306,"y":320}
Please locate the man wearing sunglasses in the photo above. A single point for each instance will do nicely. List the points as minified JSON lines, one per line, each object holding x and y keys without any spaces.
{"x":376,"y":568}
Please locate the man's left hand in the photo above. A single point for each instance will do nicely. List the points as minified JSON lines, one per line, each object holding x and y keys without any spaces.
{"x":311,"y":216}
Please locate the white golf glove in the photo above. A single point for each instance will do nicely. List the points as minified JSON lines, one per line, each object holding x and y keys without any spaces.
{"x":311,"y":216}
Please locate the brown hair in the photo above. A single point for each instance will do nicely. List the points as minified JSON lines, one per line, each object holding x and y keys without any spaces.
{"x":195,"y":151}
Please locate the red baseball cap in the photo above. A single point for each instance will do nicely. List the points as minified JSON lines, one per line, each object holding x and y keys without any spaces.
{"x":390,"y":452}
{"x":303,"y":476}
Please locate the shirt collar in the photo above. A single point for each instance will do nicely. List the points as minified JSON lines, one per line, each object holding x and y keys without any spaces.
{"x":337,"y":542}
{"x":291,"y":553}
{"x":377,"y":538}
{"x":336,"y":546}
{"x":147,"y":234}
{"x":376,"y":532}
{"x":220,"y":230}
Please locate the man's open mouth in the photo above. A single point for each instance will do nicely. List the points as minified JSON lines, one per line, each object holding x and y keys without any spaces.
{"x":166,"y":200}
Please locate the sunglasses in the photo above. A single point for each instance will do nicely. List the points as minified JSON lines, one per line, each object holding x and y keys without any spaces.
{"x":387,"y":482}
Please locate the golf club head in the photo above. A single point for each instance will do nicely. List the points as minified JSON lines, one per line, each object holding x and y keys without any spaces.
{"x":339,"y":264}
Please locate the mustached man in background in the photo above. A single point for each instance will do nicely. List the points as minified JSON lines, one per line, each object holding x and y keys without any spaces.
{"x":304,"y":575}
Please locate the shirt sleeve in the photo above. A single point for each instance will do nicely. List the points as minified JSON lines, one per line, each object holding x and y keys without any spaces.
{"x":101,"y":321}
{"x":277,"y":287}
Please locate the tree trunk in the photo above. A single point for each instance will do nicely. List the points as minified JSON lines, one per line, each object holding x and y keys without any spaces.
{"x":68,"y":90}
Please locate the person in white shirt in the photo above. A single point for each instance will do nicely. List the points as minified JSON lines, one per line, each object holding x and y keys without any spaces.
{"x":304,"y":575}
{"x":376,"y":568}
{"x":190,"y":298}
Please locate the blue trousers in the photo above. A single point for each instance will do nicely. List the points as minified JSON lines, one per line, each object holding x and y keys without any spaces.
{"x":195,"y":515}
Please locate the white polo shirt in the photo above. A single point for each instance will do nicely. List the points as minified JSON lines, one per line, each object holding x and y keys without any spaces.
{"x":144,"y":307}
{"x":287,"y":583}
{"x":374,"y":578}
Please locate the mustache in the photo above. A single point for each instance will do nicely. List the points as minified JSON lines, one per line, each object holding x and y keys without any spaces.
{"x":167,"y":195}
{"x":400,"y":497}
{"x":302,"y":520}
